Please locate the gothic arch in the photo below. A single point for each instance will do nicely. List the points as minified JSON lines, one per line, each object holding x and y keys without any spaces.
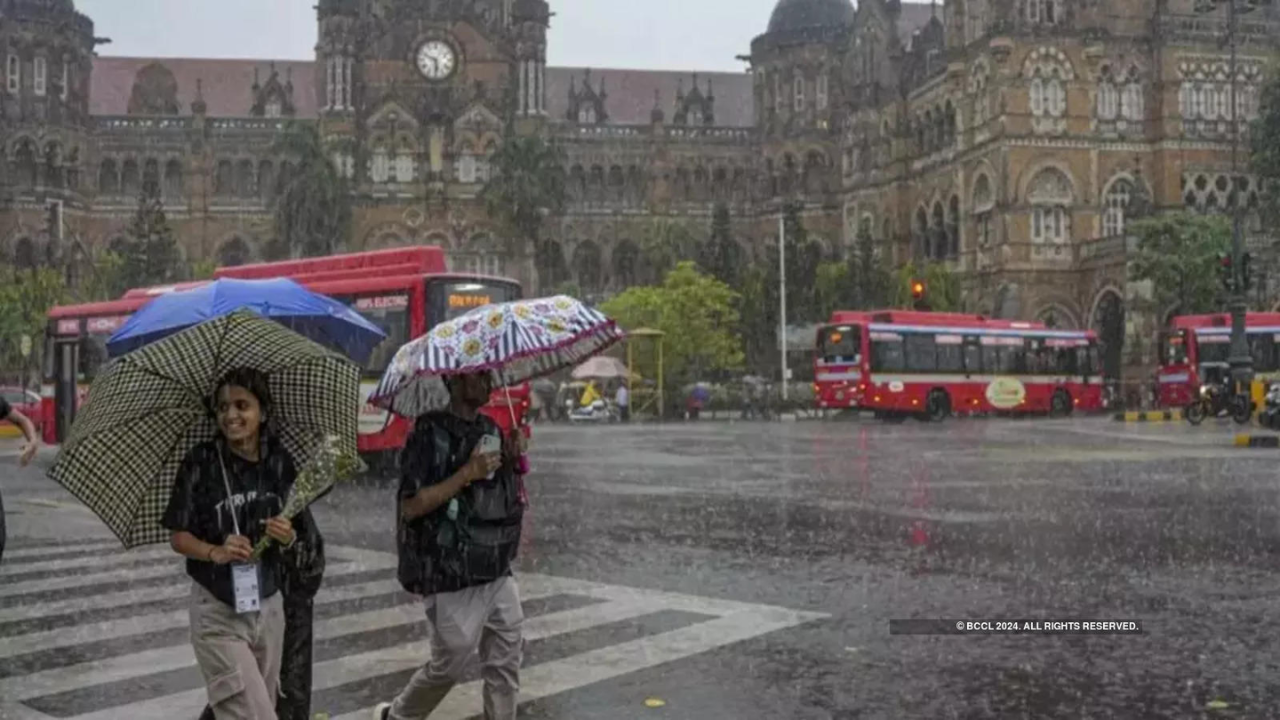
{"x":389,"y":235}
{"x":1045,"y":57}
{"x":1031,"y":174}
{"x":108,"y":177}
{"x":24,"y":253}
{"x":1066,"y":319}
{"x":588,"y":266}
{"x":626,"y":264}
{"x":1107,"y":319}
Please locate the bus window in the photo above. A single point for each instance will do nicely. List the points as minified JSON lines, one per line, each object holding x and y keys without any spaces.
{"x":392,"y":317}
{"x":841,"y":344}
{"x":950,"y":353}
{"x":1214,"y":348}
{"x":886,"y":353}
{"x":922,"y":355}
{"x":1262,"y":350}
{"x":972,"y":357}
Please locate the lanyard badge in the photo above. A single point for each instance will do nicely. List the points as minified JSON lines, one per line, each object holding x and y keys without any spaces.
{"x":244,"y":580}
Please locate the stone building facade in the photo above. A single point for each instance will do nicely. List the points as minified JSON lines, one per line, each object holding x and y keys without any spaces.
{"x":1012,"y":139}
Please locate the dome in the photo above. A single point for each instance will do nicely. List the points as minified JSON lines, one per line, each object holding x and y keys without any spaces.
{"x":800,"y":14}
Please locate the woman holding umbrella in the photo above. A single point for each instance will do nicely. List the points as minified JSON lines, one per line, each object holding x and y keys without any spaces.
{"x":228,"y":494}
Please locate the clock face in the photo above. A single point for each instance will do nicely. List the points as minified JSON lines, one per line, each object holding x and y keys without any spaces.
{"x":436,"y":60}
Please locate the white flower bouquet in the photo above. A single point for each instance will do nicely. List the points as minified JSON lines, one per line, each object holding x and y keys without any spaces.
{"x":330,"y":466}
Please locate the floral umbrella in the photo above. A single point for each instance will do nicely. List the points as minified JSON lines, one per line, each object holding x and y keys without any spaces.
{"x":517,"y":341}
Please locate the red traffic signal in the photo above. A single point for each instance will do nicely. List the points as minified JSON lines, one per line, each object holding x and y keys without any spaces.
{"x":917,"y":290}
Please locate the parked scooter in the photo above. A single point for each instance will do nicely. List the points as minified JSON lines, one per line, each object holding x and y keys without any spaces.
{"x":1270,"y":416}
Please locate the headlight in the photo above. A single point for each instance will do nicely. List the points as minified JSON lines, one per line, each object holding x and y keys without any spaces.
{"x":1204,"y":390}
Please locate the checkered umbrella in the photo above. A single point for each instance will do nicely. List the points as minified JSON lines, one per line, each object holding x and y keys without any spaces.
{"x":150,"y":407}
{"x":517,"y":341}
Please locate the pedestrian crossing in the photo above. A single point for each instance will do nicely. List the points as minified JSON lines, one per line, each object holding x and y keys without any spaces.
{"x":89,"y":632}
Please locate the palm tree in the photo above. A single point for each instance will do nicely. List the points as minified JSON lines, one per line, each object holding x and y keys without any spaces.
{"x":525,"y":187}
{"x":313,"y":206}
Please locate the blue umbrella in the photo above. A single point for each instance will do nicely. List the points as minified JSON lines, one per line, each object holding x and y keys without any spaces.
{"x":315,"y":316}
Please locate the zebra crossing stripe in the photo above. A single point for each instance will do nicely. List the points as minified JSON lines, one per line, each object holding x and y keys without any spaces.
{"x":118,"y":558}
{"x":159,"y":683}
{"x":44,"y":551}
{"x":179,"y":589}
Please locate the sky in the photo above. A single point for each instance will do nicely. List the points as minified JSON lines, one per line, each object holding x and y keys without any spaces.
{"x":651,"y":34}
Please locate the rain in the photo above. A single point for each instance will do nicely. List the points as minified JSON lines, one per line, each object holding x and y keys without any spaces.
{"x":801,"y":359}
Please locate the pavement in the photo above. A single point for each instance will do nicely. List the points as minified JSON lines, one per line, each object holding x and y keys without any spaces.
{"x":742,"y":571}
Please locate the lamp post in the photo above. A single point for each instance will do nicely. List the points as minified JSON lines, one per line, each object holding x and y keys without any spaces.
{"x":1240,"y":359}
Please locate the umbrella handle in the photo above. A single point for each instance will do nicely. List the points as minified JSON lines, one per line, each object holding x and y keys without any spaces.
{"x":507,"y":391}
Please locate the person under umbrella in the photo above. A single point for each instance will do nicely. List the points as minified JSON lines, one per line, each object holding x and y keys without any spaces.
{"x":230,"y":492}
{"x":149,"y":429}
{"x":460,"y":506}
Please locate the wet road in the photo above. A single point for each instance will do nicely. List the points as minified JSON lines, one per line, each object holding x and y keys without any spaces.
{"x":750,"y":571}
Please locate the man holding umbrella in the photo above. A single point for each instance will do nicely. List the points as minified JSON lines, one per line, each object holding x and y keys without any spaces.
{"x":459,"y":530}
{"x":460,"y":504}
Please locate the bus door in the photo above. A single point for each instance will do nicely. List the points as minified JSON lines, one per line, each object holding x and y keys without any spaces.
{"x":66,"y":390}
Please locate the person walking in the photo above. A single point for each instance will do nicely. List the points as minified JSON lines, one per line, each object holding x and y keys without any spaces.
{"x":228,"y":494}
{"x":458,"y":527}
{"x":25,"y":456}
{"x":623,"y":400}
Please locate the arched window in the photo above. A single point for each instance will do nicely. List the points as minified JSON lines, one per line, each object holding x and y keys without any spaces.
{"x":24,"y":254}
{"x":26,"y":160}
{"x":151,"y":177}
{"x":129,"y":178}
{"x":224,"y":180}
{"x":1050,"y":197}
{"x":922,"y":232}
{"x":938,"y":233}
{"x":380,"y":165}
{"x":244,"y":178}
{"x":1041,"y":12}
{"x":1108,"y":96}
{"x":587,"y":266}
{"x":799,"y":93}
{"x":953,"y":227}
{"x":1116,"y":204}
{"x":983,"y":204}
{"x":405,"y":166}
{"x":108,"y":178}
{"x":1048,"y":93}
{"x":173,"y":179}
{"x":266,"y":179}
{"x":1132,"y":106}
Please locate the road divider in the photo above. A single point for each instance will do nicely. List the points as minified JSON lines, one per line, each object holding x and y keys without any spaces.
{"x":1258,"y":441}
{"x":1153,"y":416}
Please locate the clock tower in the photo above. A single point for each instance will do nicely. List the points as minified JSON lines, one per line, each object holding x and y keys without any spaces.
{"x":415,"y":98}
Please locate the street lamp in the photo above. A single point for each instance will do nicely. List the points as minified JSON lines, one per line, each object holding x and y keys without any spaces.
{"x":1240,"y":359}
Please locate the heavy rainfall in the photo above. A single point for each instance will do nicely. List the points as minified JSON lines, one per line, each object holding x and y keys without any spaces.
{"x":400,"y":359}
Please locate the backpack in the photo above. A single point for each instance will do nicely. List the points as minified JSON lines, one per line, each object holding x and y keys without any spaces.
{"x":442,"y":554}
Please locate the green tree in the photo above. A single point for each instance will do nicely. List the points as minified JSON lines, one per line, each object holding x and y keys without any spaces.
{"x":1178,"y":254}
{"x":526,"y":186}
{"x":833,"y":288}
{"x":148,"y":249}
{"x":25,"y":300}
{"x":101,"y":278}
{"x":313,"y":207}
{"x":699,"y":315}
{"x":720,"y":255}
{"x":870,"y":280}
{"x":758,"y":307}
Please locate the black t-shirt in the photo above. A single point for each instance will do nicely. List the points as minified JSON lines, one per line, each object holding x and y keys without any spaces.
{"x":199,"y":505}
{"x":5,"y":409}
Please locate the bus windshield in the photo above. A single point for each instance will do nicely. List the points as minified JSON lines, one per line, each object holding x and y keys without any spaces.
{"x":841,"y":343}
{"x":1174,"y":348}
{"x":1213,"y":348}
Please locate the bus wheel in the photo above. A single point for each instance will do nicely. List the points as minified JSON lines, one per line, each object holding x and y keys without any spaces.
{"x":1060,"y":405}
{"x":938,"y":407}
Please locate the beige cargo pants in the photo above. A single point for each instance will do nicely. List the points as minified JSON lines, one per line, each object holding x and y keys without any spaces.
{"x":239,"y":655}
{"x":487,"y":618}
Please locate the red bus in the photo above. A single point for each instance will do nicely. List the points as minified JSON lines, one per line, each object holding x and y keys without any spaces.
{"x":928,"y":365}
{"x":405,"y":292}
{"x":1195,"y":350}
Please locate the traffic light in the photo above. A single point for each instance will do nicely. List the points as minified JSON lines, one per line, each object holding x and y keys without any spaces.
{"x":1226,"y":271}
{"x":918,"y":293}
{"x":1246,"y":280}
